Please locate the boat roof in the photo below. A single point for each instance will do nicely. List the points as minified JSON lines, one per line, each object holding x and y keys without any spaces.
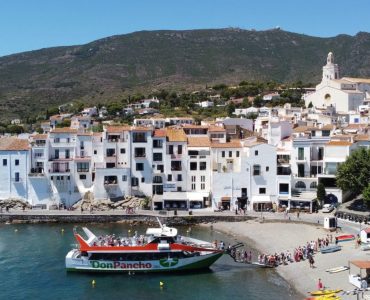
{"x":162,"y":231}
{"x":362,"y":264}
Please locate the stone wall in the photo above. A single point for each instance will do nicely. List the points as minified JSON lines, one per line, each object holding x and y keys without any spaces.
{"x":96,"y":218}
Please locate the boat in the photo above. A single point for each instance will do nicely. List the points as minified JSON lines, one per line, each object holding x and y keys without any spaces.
{"x":330,"y":249}
{"x":345,"y":238}
{"x":337,"y":269}
{"x":325,"y":292}
{"x":365,"y":247}
{"x":160,"y":250}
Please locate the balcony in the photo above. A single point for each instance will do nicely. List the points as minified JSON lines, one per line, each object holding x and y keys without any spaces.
{"x":115,"y":140}
{"x":301,"y":158}
{"x":39,"y":145}
{"x":37,"y":172}
{"x":59,"y":168}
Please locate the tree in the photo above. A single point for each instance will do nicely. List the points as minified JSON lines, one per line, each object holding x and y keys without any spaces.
{"x":230,"y":109}
{"x":321,"y":193}
{"x":354,"y":174}
{"x":366,"y":194}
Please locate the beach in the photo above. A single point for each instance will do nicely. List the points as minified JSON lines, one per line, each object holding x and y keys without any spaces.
{"x":271,"y":237}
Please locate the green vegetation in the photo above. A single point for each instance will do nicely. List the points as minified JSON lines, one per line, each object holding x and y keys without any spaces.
{"x":320,"y":193}
{"x":354,"y":174}
{"x":137,"y":64}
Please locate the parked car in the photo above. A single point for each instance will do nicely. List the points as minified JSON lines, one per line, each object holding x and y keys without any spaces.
{"x":327,"y":208}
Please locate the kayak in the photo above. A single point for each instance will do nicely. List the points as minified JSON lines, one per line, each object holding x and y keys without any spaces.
{"x":325,"y":292}
{"x":330,"y":249}
{"x":336,"y":270}
{"x":345,"y":238}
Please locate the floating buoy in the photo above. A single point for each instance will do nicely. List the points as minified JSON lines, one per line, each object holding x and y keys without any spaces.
{"x":62,"y":231}
{"x":93,"y":282}
{"x":15,"y":230}
{"x":161,"y":284}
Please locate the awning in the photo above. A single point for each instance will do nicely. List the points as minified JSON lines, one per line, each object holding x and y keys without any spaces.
{"x":174,"y":196}
{"x":261,"y":199}
{"x":196,"y":196}
{"x":224,"y":199}
{"x":362,"y":264}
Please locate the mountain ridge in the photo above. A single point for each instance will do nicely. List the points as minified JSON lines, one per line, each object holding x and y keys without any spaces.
{"x":111,"y":67}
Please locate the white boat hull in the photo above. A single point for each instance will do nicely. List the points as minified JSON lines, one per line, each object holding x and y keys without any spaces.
{"x":74,"y":263}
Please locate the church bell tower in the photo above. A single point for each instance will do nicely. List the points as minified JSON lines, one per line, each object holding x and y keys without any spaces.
{"x":330,"y":71}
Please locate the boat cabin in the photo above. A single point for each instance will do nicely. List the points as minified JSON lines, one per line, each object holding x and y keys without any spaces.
{"x":359,"y":271}
{"x":365,"y":236}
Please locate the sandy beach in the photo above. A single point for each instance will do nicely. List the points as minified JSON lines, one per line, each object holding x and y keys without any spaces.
{"x":271,"y":237}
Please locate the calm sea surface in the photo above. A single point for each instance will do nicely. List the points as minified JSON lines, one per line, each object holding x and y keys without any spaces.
{"x":32,"y":267}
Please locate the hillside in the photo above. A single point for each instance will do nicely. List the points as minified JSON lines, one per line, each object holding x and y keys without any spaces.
{"x":106,"y":69}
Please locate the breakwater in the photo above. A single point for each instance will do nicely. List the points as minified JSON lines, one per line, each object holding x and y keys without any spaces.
{"x":30,"y":218}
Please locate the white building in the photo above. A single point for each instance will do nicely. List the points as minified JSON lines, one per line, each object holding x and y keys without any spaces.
{"x":343,"y":94}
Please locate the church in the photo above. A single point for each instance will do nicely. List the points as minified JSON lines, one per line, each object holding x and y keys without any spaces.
{"x":343,"y":94}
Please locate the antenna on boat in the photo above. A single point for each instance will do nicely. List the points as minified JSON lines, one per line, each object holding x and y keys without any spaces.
{"x":160,"y":224}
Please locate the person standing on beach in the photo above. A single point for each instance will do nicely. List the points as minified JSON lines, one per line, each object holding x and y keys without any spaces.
{"x":320,"y":286}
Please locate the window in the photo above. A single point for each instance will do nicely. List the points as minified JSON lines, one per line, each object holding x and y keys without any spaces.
{"x":134,"y":181}
{"x":139,"y":137}
{"x":256,"y":152}
{"x":5,"y":162}
{"x":300,"y":185}
{"x":142,"y":179}
{"x":284,"y":188}
{"x":223,"y":153}
{"x":140,"y":152}
{"x":169,"y":177}
{"x":256,"y":170}
{"x":193,"y":166}
{"x":262,"y":190}
{"x":230,"y":154}
{"x":193,"y":180}
{"x":82,"y":146}
{"x":237,"y":153}
{"x":56,"y":140}
{"x":16,"y":162}
{"x":157,"y":156}
{"x":83,"y":167}
{"x":56,"y":154}
{"x":267,"y":169}
{"x":82,"y":176}
{"x":202,"y":184}
{"x":67,"y":153}
{"x":124,"y":177}
{"x":179,"y":177}
{"x":95,"y":152}
{"x":16,"y":177}
{"x":202,"y":165}
{"x":122,"y":150}
{"x":179,"y":149}
{"x":139,"y":167}
{"x":157,"y":143}
{"x":300,"y":153}
{"x":179,"y":189}
{"x":111,"y":152}
{"x":170,"y":149}
{"x":110,"y":165}
{"x":313,"y":185}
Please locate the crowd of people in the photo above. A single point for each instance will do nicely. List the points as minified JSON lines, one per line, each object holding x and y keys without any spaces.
{"x":113,"y":240}
{"x":300,"y":253}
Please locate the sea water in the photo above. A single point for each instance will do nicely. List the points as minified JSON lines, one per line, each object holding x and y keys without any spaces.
{"x":32,"y":267}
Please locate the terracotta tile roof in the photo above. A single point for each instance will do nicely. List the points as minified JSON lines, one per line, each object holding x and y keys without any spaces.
{"x":357,"y":80}
{"x":13,"y":144}
{"x":328,"y":127}
{"x":64,"y":130}
{"x":338,"y":143}
{"x":141,"y":128}
{"x":176,"y":135}
{"x":362,"y":137}
{"x":355,"y":126}
{"x":84,"y":133}
{"x":39,"y":136}
{"x":301,"y":129}
{"x":117,"y":128}
{"x":216,"y":129}
{"x":231,"y":144}
{"x":199,"y":141}
{"x":192,"y":126}
{"x":159,"y":133}
{"x":97,"y":134}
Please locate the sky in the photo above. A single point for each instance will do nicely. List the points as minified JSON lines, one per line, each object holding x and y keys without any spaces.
{"x":34,"y":24}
